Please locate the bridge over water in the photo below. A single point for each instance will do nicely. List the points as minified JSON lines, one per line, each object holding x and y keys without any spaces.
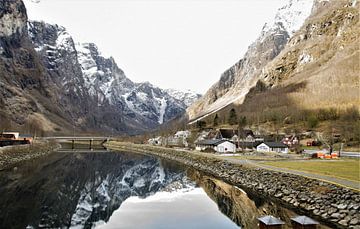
{"x":74,"y":139}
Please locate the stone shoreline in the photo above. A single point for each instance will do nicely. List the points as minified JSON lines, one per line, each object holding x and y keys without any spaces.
{"x":12,"y":155}
{"x":330,"y":204}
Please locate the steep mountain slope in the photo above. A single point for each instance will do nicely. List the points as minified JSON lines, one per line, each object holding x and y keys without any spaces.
{"x":323,"y":57}
{"x":314,"y":79}
{"x":52,"y":84}
{"x":23,"y":84}
{"x":236,"y":82}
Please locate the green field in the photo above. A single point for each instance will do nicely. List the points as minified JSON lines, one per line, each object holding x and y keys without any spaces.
{"x":345,"y":168}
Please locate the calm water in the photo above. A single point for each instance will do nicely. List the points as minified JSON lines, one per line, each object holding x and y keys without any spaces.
{"x":122,"y":190}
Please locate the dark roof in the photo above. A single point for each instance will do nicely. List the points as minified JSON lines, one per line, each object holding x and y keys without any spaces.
{"x":25,"y":136}
{"x":227,"y":133}
{"x":246,"y":132}
{"x":213,"y":142}
{"x":304,"y":220}
{"x":276,"y":144}
{"x":270,"y":220}
{"x":248,"y":144}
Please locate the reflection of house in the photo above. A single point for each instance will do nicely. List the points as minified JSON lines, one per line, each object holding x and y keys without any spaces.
{"x":269,"y":221}
{"x":303,"y":222}
{"x":273,"y":147}
{"x":219,"y":145}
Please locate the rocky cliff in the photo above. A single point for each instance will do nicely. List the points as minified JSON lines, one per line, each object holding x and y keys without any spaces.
{"x":52,"y":84}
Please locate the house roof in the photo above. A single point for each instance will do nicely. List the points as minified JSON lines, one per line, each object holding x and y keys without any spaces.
{"x":213,"y":142}
{"x":246,"y":132}
{"x":270,"y":220}
{"x":248,"y":144}
{"x":227,"y":133}
{"x":25,"y":136}
{"x":304,"y":220}
{"x":276,"y":144}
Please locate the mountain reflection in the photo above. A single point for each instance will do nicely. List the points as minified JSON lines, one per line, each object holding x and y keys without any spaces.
{"x":70,"y":190}
{"x":108,"y":189}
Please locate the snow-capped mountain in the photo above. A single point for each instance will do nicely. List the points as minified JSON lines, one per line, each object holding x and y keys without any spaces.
{"x":102,"y":81}
{"x":235,"y":83}
{"x":290,"y":17}
{"x":188,"y":96}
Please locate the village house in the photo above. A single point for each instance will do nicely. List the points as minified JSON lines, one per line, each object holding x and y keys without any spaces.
{"x":155,"y":141}
{"x":14,"y":138}
{"x":228,"y":134}
{"x":9,"y":135}
{"x":245,"y":135}
{"x":290,"y":140}
{"x":278,"y":147}
{"x":247,"y":145}
{"x":218,"y":145}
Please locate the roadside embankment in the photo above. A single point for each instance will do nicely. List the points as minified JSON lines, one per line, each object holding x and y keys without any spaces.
{"x":12,"y":155}
{"x":333,"y":205}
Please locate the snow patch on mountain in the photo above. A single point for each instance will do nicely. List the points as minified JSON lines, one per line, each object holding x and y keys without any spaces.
{"x":188,"y":96}
{"x":291,"y":16}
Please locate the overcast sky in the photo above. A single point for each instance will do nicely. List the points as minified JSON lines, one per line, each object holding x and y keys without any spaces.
{"x":182,"y":44}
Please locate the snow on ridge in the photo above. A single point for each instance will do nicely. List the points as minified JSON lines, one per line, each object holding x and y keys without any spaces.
{"x":291,"y":16}
{"x":188,"y":96}
{"x":163,"y":105}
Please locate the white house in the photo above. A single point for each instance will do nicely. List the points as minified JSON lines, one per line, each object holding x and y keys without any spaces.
{"x":219,"y":145}
{"x":182,"y":134}
{"x":155,"y":141}
{"x":273,"y":147}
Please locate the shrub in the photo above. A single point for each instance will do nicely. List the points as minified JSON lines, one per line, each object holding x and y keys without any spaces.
{"x":312,"y":121}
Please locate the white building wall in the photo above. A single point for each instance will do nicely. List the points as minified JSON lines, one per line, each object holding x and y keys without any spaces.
{"x":226,"y":147}
{"x":263,"y":148}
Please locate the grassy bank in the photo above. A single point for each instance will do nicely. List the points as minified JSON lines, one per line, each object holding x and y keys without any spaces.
{"x":344,"y":168}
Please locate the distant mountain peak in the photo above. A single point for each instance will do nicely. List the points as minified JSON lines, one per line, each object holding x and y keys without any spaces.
{"x":291,"y":16}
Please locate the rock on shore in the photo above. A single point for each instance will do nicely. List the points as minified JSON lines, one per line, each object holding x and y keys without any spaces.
{"x":11,"y":155}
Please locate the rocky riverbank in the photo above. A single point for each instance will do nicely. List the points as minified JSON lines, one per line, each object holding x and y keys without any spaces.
{"x":12,"y":155}
{"x":333,"y":205}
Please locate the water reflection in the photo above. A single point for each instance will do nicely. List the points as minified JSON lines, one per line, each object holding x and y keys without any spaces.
{"x":122,"y":190}
{"x":82,"y":190}
{"x":189,"y":208}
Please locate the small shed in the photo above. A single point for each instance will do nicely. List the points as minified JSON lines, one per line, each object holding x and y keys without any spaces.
{"x":303,"y":222}
{"x":270,"y":222}
{"x":273,"y":147}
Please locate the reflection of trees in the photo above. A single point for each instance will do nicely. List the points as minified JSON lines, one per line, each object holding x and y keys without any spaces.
{"x":237,"y":205}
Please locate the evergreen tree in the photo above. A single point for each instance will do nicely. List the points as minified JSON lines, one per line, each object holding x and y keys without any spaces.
{"x":242,"y":122}
{"x":200,"y":124}
{"x":216,"y":120}
{"x":232,"y":117}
